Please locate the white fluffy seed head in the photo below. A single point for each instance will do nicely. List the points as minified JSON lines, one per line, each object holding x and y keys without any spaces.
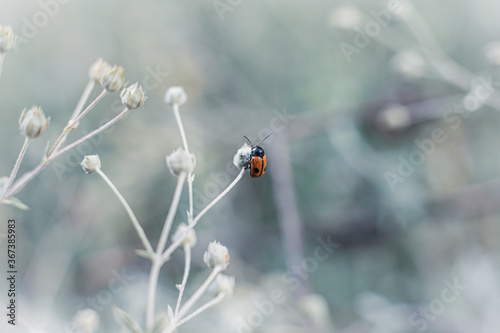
{"x":189,"y":237}
{"x":181,"y":161}
{"x":242,"y":156}
{"x":176,"y":95}
{"x":91,"y":163}
{"x":216,"y":255}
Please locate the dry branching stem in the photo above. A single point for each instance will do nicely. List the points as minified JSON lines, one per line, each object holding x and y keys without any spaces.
{"x":13,"y":174}
{"x":133,"y":218}
{"x":157,"y":263}
{"x":28,"y":177}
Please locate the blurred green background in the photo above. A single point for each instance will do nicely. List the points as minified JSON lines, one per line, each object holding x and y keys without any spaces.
{"x":352,"y":90}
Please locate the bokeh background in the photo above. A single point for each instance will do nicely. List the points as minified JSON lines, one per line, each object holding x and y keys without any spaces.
{"x":352,"y":90}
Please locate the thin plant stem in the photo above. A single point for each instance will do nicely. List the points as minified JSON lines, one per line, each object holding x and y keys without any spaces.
{"x":186,"y":148}
{"x":201,"y":290}
{"x":83,"y":99}
{"x":13,"y":174}
{"x":153,"y":282}
{"x":72,"y":122}
{"x":28,"y":177}
{"x":191,"y":200}
{"x":156,"y":262}
{"x":91,"y":134}
{"x":171,"y":213}
{"x":187,"y":266}
{"x":181,"y":127}
{"x":202,"y":308}
{"x":166,"y":255}
{"x":219,"y":197}
{"x":133,"y":218}
{"x":1,"y":62}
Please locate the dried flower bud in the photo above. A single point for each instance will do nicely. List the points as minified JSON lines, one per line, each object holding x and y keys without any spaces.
{"x":113,"y":79}
{"x":133,"y":97}
{"x":223,"y":284}
{"x":91,"y":163}
{"x":181,"y":161}
{"x":33,"y":122}
{"x":216,"y":255}
{"x":87,"y":320}
{"x":242,"y":157}
{"x":98,"y":69}
{"x":7,"y":38}
{"x":189,"y":237}
{"x":175,"y":95}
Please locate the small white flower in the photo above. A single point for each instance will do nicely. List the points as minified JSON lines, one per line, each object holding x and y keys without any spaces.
{"x":113,"y":80}
{"x":133,"y":97}
{"x":176,"y":95}
{"x":98,"y":69}
{"x":33,"y":122}
{"x":7,"y":38}
{"x":223,"y":284}
{"x":91,"y":163}
{"x":216,"y":255}
{"x":181,"y":161}
{"x":87,"y":320}
{"x":189,"y":238}
{"x":242,"y":157}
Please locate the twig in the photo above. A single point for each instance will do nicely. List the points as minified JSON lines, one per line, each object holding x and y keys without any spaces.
{"x":27,"y":178}
{"x":187,"y":266}
{"x":186,"y":148}
{"x":73,"y":122}
{"x":202,"y":308}
{"x":13,"y":174}
{"x":133,"y":218}
{"x":171,"y":213}
{"x":201,"y":290}
{"x":85,"y":96}
{"x":156,"y":262}
{"x":181,"y":127}
{"x":91,"y":134}
{"x":176,"y":244}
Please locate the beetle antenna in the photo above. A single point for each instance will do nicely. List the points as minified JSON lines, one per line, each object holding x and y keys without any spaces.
{"x":248,"y":140}
{"x":264,"y":138}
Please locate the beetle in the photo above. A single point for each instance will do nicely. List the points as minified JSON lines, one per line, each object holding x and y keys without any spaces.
{"x":257,"y":161}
